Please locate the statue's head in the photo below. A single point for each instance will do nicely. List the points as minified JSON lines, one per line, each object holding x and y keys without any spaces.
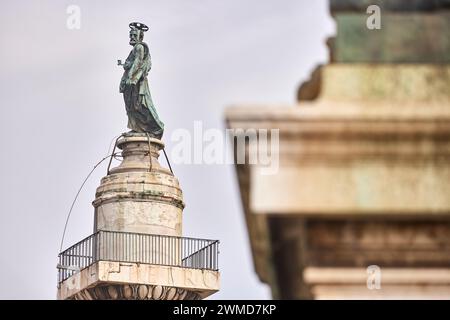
{"x":136,"y":36}
{"x":137,"y":32}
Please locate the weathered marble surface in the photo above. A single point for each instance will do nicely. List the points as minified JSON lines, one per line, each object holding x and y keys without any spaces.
{"x":364,"y":164}
{"x":150,"y":281}
{"x":403,"y":38}
{"x":388,"y":5}
{"x":365,"y":83}
{"x":139,"y":195}
{"x":397,"y":283}
{"x":327,"y":258}
{"x":355,"y":155}
{"x":368,"y":160}
{"x":134,"y":292}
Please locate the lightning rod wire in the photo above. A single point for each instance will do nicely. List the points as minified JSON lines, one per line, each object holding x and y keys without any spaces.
{"x":76,"y":197}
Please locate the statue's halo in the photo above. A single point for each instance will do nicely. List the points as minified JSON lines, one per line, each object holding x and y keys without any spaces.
{"x":138,"y":26}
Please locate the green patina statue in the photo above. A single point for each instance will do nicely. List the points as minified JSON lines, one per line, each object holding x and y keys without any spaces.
{"x":142,"y":116}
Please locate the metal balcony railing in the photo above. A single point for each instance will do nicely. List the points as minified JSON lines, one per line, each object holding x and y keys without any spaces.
{"x":138,"y":248}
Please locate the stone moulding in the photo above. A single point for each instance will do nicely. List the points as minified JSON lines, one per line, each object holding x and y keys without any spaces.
{"x":135,"y":292}
{"x":378,"y":83}
{"x":352,"y":154}
{"x":119,"y":280}
{"x":397,"y":283}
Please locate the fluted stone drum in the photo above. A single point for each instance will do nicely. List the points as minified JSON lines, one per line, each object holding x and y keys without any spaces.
{"x":141,"y":197}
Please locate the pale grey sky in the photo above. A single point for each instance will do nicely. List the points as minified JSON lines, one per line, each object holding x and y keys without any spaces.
{"x":60,"y":108}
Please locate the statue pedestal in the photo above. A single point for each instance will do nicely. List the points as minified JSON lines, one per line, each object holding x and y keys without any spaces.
{"x":137,"y":251}
{"x":139,"y":195}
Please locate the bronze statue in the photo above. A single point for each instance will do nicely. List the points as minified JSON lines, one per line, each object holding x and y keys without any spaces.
{"x":142,"y":115}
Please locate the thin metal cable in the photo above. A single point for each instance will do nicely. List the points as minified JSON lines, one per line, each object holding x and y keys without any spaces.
{"x":76,"y":197}
{"x":114,"y":149}
{"x":167,"y":159}
{"x":112,"y":140}
{"x":149,"y":152}
{"x":93,"y":169}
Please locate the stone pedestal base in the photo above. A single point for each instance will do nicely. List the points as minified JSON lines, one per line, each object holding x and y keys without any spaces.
{"x":118,"y":280}
{"x":139,"y":195}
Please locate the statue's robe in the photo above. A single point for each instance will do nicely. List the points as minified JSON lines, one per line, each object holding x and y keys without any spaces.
{"x":142,"y":116}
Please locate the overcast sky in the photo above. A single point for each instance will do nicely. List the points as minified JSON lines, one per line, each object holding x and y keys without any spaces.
{"x":60,"y":108}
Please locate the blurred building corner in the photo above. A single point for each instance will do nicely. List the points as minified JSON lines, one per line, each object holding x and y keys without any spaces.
{"x":359,"y":207}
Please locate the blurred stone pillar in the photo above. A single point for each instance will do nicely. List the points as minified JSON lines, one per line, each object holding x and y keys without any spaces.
{"x":360,"y":205}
